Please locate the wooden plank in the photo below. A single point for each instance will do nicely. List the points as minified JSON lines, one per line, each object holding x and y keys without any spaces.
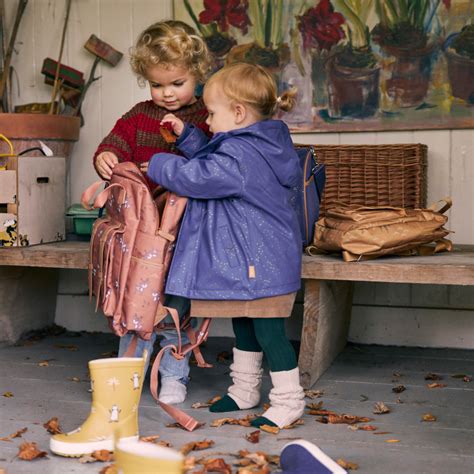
{"x":53,"y":255}
{"x":450,"y":268}
{"x":327,"y":312}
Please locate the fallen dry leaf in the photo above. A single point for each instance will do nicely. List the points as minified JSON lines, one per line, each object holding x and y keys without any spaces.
{"x":367,"y":427}
{"x":17,"y":434}
{"x":397,"y":374}
{"x":165,"y":444}
{"x":436,"y":385}
{"x":428,"y":417}
{"x":216,"y":465}
{"x":109,"y":354}
{"x":382,"y":433}
{"x":74,"y":379}
{"x":343,"y":419}
{"x":52,"y":426}
{"x":177,"y":425}
{"x":270,"y":429}
{"x":296,"y":423}
{"x":110,"y":469}
{"x":102,"y":455}
{"x":313,"y":393}
{"x":149,"y":439}
{"x":315,"y":406}
{"x":253,"y":437}
{"x":70,"y":347}
{"x":433,"y":376}
{"x":189,"y":463}
{"x":8,"y":395}
{"x":467,"y":379}
{"x":392,"y":440}
{"x":350,"y":466}
{"x":254,"y":469}
{"x":380,"y":408}
{"x":223,"y":356}
{"x":44,"y":363}
{"x":363,"y":398}
{"x":233,"y":421}
{"x":30,"y":451}
{"x":322,"y":412}
{"x":206,"y":404}
{"x":196,"y":446}
{"x":399,"y":389}
{"x":87,"y":458}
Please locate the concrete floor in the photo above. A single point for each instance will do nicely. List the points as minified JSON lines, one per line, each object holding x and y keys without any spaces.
{"x":360,"y":376}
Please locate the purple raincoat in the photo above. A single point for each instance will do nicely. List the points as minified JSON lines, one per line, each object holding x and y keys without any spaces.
{"x":240,"y":238}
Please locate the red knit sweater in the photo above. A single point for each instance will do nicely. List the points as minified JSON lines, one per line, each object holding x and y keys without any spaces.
{"x":136,"y":135}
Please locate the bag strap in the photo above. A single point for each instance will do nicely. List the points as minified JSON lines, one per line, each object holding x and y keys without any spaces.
{"x":102,"y":197}
{"x":448,"y":204}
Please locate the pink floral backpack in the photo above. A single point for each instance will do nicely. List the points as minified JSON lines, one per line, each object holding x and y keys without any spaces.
{"x":130,"y":252}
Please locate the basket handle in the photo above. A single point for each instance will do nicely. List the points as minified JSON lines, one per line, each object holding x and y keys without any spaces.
{"x":9,"y":143}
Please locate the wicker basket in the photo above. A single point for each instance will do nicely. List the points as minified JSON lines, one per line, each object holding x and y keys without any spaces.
{"x":374,"y":175}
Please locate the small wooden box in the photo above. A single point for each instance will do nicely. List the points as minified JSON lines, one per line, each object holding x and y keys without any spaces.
{"x":32,"y":200}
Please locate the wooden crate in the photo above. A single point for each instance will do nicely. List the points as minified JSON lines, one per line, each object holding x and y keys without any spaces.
{"x":32,"y":200}
{"x":374,"y":175}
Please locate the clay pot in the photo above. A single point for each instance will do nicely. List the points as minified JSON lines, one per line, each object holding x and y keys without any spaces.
{"x":409,"y":74}
{"x":352,"y":92}
{"x":461,"y":74}
{"x":58,"y":132}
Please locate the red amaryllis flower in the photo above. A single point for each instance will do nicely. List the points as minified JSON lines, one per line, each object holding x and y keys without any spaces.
{"x":225,"y":13}
{"x":320,"y":26}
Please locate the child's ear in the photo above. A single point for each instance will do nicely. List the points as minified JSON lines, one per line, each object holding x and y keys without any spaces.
{"x":240,"y":113}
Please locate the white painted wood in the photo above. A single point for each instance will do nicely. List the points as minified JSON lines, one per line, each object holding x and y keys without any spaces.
{"x":412,"y":327}
{"x":7,"y":186}
{"x":462,"y":184}
{"x":41,"y":199}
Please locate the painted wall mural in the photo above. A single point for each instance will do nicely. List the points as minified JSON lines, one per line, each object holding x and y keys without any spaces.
{"x":359,"y":65}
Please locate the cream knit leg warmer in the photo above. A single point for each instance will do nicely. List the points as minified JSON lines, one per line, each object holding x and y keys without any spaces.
{"x":246,"y":373}
{"x":286,"y":398}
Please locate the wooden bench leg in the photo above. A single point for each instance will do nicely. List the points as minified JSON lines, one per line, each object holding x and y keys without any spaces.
{"x":327,"y":313}
{"x":28,"y":300}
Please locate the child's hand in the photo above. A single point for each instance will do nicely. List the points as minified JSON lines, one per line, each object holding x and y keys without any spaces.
{"x":105,"y":163}
{"x":144,"y":167}
{"x":176,"y":123}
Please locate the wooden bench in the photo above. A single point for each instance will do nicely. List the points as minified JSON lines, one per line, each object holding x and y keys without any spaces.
{"x":328,"y":285}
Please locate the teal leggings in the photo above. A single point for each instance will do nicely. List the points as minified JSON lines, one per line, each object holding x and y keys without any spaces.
{"x":267,"y":334}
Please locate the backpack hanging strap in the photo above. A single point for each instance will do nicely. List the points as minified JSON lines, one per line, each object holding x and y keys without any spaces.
{"x":101,"y":198}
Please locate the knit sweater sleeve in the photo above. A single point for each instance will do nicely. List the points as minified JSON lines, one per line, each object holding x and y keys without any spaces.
{"x":122,"y":139}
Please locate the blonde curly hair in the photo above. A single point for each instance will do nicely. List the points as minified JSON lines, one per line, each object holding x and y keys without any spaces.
{"x":170,"y":43}
{"x":254,"y":86}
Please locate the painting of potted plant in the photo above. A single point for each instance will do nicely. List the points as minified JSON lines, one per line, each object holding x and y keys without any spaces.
{"x":268,"y":47}
{"x":358,"y":65}
{"x":459,"y":50}
{"x":214,"y":23}
{"x":320,"y":30}
{"x":405,"y":33}
{"x":353,"y":71}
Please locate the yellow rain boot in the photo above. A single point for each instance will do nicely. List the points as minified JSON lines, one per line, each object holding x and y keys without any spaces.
{"x":133,"y":457}
{"x":116,"y":388}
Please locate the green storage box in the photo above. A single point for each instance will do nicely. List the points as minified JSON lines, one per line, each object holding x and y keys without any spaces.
{"x":83,"y":220}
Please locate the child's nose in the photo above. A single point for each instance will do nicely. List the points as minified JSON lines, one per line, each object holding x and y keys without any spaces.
{"x":168,"y":91}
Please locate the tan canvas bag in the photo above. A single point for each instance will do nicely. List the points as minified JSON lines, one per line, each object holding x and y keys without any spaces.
{"x":367,"y":232}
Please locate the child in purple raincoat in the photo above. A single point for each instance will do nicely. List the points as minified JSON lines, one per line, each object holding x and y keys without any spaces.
{"x":238,"y":252}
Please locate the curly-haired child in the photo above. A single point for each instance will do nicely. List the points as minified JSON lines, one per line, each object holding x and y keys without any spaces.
{"x":173,"y":60}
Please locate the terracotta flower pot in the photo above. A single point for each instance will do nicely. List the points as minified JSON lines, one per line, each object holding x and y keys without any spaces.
{"x":409,"y":74}
{"x":352,"y":92}
{"x":58,"y":132}
{"x":461,"y":74}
